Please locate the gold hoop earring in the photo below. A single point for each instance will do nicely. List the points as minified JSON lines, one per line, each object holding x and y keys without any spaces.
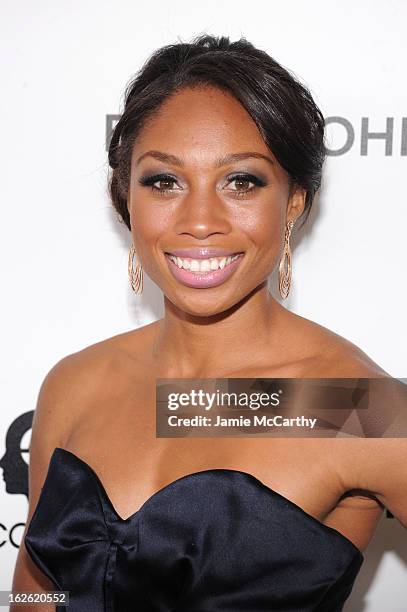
{"x":135,"y":276}
{"x":285,"y":263}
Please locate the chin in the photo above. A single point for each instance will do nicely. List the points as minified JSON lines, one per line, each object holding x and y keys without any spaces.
{"x":207,"y":307}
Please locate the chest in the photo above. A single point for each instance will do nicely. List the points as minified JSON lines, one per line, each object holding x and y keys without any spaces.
{"x":120,"y":444}
{"x":116,"y":436}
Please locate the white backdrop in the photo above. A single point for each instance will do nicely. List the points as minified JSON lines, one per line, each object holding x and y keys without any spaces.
{"x":64,"y":255}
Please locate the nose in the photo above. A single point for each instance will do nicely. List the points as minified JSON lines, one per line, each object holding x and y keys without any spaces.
{"x":201,"y":214}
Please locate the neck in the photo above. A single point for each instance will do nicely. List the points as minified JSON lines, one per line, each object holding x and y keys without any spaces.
{"x":188,"y":346}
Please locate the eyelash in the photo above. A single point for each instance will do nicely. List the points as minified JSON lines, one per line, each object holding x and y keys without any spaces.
{"x":148,"y":181}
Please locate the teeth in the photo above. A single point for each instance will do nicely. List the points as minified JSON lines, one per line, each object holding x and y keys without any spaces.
{"x":202,"y":265}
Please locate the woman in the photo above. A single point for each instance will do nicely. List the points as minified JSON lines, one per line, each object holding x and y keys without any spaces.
{"x":217,"y":156}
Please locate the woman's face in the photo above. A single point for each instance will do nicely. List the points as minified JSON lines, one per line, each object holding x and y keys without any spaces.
{"x":187,"y":192}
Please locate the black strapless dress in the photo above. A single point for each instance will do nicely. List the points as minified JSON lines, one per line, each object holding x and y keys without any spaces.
{"x":214,"y":540}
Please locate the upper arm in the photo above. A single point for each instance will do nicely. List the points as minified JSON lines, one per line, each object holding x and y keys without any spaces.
{"x":390,"y":478}
{"x":379,"y":464}
{"x":53,"y":418}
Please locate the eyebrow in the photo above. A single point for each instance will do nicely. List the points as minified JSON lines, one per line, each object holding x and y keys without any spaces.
{"x":221,"y":161}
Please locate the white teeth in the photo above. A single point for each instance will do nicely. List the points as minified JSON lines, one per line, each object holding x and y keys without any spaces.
{"x":203,"y":265}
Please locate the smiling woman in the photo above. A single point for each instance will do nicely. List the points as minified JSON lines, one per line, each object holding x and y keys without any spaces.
{"x":217,"y":156}
{"x":224,"y":189}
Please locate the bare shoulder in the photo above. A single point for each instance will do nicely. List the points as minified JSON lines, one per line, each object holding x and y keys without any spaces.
{"x":369,"y":467}
{"x":74,"y":383}
{"x":330,"y":355}
{"x":72,"y":388}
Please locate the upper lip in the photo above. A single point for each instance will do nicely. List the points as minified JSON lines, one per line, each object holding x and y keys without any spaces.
{"x":202,"y":252}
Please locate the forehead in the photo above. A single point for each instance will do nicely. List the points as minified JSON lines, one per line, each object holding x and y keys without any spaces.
{"x":200,"y":123}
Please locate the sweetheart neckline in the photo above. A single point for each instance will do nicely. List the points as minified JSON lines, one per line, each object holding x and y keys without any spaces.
{"x":259,"y":482}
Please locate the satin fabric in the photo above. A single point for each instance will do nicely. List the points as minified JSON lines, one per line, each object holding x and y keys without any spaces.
{"x":212,"y":540}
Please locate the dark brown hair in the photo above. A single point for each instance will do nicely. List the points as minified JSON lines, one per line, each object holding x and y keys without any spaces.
{"x":283,"y":109}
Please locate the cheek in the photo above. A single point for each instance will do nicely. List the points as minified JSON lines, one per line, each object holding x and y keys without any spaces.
{"x":264,"y":228}
{"x":148,"y":225}
{"x":149,"y":218}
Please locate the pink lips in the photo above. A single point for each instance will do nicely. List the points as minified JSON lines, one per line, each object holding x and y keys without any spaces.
{"x":205,"y":279}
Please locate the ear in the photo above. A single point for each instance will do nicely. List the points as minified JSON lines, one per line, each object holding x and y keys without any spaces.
{"x":296,"y":202}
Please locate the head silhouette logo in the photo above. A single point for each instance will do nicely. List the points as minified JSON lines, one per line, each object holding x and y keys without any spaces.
{"x":15,"y":468}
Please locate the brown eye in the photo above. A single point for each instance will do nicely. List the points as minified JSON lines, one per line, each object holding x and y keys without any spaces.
{"x":165,"y":183}
{"x":242,"y":183}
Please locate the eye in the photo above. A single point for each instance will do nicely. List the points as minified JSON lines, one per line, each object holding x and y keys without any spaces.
{"x":162,"y":184}
{"x":165,"y":183}
{"x":242,"y":181}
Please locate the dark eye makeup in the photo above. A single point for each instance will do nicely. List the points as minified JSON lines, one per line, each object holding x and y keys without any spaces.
{"x":150,"y":180}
